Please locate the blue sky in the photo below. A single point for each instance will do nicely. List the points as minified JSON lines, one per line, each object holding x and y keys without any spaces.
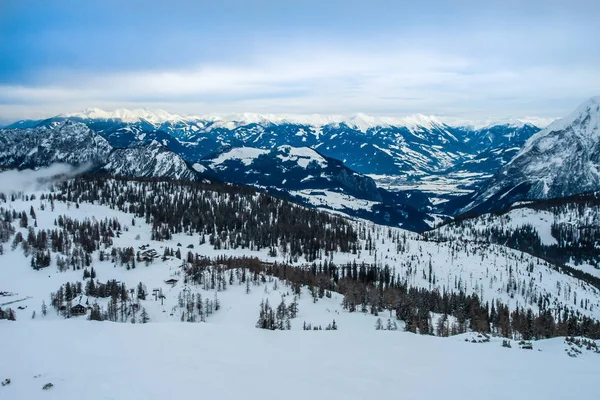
{"x":461,"y":59}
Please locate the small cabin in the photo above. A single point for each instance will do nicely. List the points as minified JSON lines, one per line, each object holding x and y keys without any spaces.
{"x":78,"y":310}
{"x":151,"y":253}
{"x":171,"y":281}
{"x":526,"y":345}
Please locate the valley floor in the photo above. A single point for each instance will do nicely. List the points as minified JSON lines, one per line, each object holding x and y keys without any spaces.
{"x":90,"y":360}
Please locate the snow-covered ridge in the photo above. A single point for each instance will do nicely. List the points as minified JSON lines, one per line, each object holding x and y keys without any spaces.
{"x":303,"y":156}
{"x":539,"y":122}
{"x":585,"y":120}
{"x":359,"y":121}
{"x":125,"y":115}
{"x":246,"y":155}
{"x":512,"y":123}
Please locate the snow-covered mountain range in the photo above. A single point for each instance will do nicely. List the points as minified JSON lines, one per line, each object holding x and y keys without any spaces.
{"x":300,"y":174}
{"x":417,"y":166}
{"x":422,"y":159}
{"x":76,"y":144}
{"x":358,"y":121}
{"x":410,"y":146}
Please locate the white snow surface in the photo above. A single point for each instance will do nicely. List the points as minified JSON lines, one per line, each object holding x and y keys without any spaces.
{"x":246,"y":155}
{"x":301,"y":155}
{"x":335,"y":200}
{"x":94,"y":361}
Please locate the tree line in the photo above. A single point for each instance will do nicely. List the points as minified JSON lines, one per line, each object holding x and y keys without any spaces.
{"x":228,"y":217}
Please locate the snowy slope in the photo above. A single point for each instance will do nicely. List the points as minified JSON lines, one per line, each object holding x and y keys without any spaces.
{"x":291,"y":168}
{"x":175,"y":361}
{"x":566,"y":230}
{"x":540,"y":220}
{"x":247,"y":155}
{"x":166,"y":357}
{"x":492,"y":272}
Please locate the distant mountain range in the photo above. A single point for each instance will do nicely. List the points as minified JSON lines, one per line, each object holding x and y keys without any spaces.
{"x":299,"y":174}
{"x":407,"y":172}
{"x":411,"y":146}
{"x":76,"y":144}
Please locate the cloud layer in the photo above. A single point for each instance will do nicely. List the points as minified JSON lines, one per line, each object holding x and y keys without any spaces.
{"x":506,"y":62}
{"x":29,"y":180}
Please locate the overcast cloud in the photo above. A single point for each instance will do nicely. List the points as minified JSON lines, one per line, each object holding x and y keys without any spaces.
{"x":466,"y":60}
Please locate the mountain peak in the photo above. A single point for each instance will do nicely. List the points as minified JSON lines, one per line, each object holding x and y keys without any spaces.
{"x":510,"y":123}
{"x":126,"y":115}
{"x":558,"y":161}
{"x":364,"y":122}
{"x":586,"y":117}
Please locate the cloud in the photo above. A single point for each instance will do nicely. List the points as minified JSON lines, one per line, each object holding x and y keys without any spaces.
{"x":324,"y":81}
{"x":512,"y":60}
{"x":28,"y":180}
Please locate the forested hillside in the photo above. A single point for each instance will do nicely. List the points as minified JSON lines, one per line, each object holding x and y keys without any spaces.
{"x":112,"y":239}
{"x":564,"y":231}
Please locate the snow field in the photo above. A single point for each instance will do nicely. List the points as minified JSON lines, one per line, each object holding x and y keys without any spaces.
{"x":90,"y":360}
